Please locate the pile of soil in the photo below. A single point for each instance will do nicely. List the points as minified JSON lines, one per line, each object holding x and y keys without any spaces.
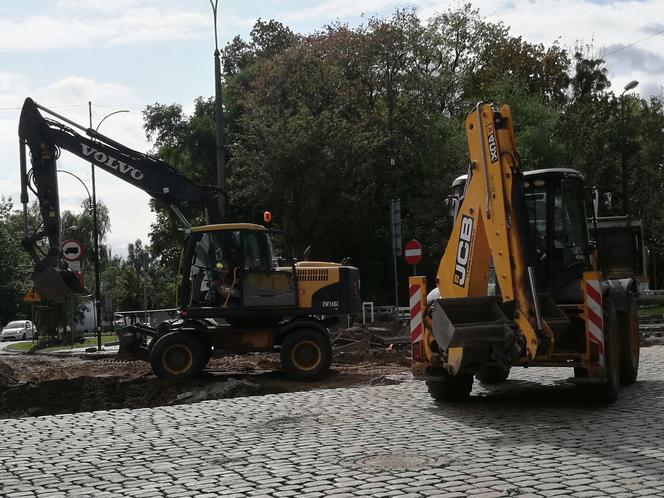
{"x":6,"y":375}
{"x":33,"y":385}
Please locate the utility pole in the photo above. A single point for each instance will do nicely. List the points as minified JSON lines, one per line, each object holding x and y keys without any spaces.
{"x":623,"y":153}
{"x":95,"y":231}
{"x":219,"y":117}
{"x":146,"y":258}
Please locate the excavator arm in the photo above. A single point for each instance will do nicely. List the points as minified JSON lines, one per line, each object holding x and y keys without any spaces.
{"x":44,"y":139}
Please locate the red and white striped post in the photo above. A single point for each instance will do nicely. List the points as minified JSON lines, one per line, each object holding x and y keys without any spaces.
{"x":417,"y":290}
{"x":594,"y":314}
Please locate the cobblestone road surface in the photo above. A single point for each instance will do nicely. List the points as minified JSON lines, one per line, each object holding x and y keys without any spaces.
{"x":523,"y":439}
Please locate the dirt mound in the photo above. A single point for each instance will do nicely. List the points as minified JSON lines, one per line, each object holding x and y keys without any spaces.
{"x":7,"y":376}
{"x":44,"y":385}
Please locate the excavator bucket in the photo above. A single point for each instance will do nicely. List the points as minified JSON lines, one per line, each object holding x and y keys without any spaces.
{"x":56,"y":284}
{"x":471,"y":321}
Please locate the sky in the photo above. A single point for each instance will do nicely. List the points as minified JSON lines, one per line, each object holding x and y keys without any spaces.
{"x":127,"y":54}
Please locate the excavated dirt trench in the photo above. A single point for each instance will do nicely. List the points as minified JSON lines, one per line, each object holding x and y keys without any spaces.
{"x":33,"y":385}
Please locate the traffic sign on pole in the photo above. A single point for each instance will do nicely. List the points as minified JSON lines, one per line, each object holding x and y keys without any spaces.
{"x":396,"y":227}
{"x":72,"y":250}
{"x":413,"y":252}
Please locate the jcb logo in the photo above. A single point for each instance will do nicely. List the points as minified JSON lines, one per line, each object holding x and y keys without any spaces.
{"x":493,"y":143}
{"x":463,"y":251}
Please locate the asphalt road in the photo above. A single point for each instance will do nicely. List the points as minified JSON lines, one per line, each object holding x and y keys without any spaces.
{"x":531,"y":437}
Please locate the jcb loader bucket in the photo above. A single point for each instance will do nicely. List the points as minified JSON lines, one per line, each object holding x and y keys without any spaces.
{"x":471,"y":322}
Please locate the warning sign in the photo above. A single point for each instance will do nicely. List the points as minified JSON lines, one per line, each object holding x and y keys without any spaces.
{"x":31,"y":297}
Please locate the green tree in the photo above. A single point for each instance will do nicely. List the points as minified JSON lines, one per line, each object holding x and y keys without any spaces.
{"x":15,"y":267}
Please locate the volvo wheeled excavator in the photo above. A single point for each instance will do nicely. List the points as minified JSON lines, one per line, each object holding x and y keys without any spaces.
{"x":520,"y":283}
{"x":234,"y":293}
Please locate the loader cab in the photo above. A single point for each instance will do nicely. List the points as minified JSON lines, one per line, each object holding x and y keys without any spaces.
{"x":235,"y":266}
{"x":556,"y":203}
{"x":555,"y":199}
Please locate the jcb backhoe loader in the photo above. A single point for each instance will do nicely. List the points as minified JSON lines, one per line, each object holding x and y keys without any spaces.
{"x":552,"y":307}
{"x":234,"y":293}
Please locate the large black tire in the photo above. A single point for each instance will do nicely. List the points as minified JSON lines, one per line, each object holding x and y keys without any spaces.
{"x":630,"y":347}
{"x":492,"y":374}
{"x":607,"y":392}
{"x":451,"y":387}
{"x":177,"y":355}
{"x":306,"y":354}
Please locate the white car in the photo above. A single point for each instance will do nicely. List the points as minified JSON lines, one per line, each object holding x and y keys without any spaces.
{"x":18,"y":330}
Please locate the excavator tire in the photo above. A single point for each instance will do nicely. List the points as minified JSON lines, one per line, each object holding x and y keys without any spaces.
{"x":607,"y":392}
{"x":306,"y":354}
{"x":630,"y":347}
{"x":177,"y":355}
{"x":492,"y":374}
{"x":451,"y":387}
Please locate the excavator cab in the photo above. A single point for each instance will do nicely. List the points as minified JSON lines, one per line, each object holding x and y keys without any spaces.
{"x":232,"y":266}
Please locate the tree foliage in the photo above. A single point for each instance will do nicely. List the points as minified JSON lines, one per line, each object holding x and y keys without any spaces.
{"x":324,"y":129}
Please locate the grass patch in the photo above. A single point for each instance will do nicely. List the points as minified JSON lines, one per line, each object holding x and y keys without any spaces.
{"x":651,"y":311}
{"x":88,"y":342}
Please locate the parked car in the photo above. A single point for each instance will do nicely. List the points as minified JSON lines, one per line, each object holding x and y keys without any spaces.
{"x":18,"y":330}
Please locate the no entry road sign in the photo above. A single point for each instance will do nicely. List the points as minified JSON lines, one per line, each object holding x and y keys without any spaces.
{"x":413,"y":252}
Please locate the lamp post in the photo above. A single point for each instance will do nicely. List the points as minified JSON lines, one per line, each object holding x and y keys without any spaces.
{"x":219,"y":118}
{"x":623,"y":153}
{"x":70,"y":309}
{"x":96,"y":231}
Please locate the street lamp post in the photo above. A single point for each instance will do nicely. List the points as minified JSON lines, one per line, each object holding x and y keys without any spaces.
{"x":219,"y":118}
{"x":70,"y":309}
{"x":623,"y":153}
{"x":96,"y":232}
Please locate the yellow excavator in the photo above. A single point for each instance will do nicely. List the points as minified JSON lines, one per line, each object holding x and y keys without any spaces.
{"x":236,"y":292}
{"x":520,"y":283}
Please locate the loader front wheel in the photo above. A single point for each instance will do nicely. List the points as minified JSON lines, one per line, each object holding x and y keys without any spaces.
{"x":492,"y":374}
{"x":451,"y":387}
{"x":306,"y":354}
{"x":177,"y":355}
{"x":629,"y":343}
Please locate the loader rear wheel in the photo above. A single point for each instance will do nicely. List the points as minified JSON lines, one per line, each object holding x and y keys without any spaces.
{"x":492,"y":374}
{"x":177,"y":355}
{"x":306,"y":354}
{"x":630,"y":347}
{"x":451,"y":387}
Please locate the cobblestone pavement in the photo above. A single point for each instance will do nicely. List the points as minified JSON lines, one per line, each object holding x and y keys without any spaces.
{"x":523,"y":439}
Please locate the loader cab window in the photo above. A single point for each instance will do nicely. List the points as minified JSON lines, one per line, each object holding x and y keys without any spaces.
{"x":556,"y":214}
{"x":570,"y":237}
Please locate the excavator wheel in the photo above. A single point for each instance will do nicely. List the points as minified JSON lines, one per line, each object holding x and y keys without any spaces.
{"x":177,"y":355}
{"x":492,"y":374}
{"x":607,"y":392}
{"x":306,"y":354}
{"x":630,"y":348}
{"x":451,"y":387}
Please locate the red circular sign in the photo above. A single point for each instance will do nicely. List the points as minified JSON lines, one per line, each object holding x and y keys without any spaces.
{"x":413,"y":252}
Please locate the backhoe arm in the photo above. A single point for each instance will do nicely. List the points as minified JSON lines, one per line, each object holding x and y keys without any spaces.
{"x":492,"y":224}
{"x":44,"y":138}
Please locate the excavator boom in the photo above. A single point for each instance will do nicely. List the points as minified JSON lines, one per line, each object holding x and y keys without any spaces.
{"x":44,"y":138}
